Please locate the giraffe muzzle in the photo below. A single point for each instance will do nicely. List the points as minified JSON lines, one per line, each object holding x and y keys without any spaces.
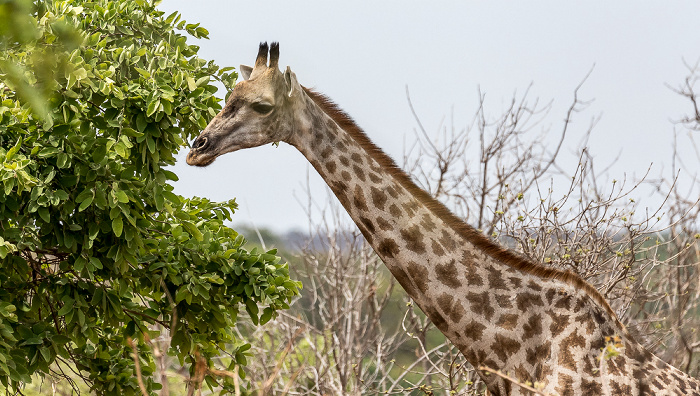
{"x":198,"y":155}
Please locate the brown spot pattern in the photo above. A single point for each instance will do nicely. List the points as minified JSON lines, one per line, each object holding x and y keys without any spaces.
{"x":507,"y":321}
{"x":437,"y":249}
{"x":515,"y":281}
{"x":474,"y":330}
{"x":368,"y":224}
{"x":383,"y":224}
{"x":450,"y":307}
{"x":410,"y":208}
{"x":539,"y":353}
{"x":564,"y":302}
{"x":388,"y":248}
{"x":414,"y":239}
{"x":330,"y":166}
{"x":359,"y":172}
{"x":457,"y":312}
{"x":447,"y":241}
{"x":591,"y":387}
{"x":559,"y":323}
{"x":504,"y":346}
{"x":480,"y":304}
{"x":473,"y":279}
{"x":437,"y":318}
{"x":419,"y":275}
{"x":549,"y":295}
{"x":447,"y":274}
{"x":359,"y":199}
{"x":378,"y":197}
{"x":566,"y":355}
{"x":533,"y":327}
{"x":428,"y":223}
{"x":526,"y":300}
{"x":503,"y":300}
{"x":534,"y":286}
{"x":495,"y":279}
{"x":566,"y":385}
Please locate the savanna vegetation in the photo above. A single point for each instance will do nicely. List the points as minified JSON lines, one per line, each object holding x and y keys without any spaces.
{"x":106,"y":271}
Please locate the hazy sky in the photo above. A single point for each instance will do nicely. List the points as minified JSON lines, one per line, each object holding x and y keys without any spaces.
{"x":364,"y":54}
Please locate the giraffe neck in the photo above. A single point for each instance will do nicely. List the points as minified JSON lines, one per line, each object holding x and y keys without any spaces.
{"x":501,"y":311}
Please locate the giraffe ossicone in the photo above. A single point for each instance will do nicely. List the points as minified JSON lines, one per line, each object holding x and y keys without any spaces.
{"x":503,"y":312}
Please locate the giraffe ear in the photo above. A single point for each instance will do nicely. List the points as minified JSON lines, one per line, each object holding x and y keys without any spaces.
{"x":293,"y":87}
{"x":245,"y":71}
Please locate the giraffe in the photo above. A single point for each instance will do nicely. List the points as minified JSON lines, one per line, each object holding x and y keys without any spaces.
{"x":502,"y":311}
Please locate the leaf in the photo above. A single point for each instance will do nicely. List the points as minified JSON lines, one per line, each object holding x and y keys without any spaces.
{"x":99,"y":154}
{"x":151,"y":145}
{"x":84,"y":204}
{"x":121,"y":196}
{"x":62,"y":160}
{"x":152,"y":107}
{"x":133,"y":133}
{"x":117,"y":226}
{"x":266,"y":316}
{"x":252,"y":309}
{"x":141,"y":123}
{"x":87,"y":192}
{"x":67,"y":307}
{"x":44,"y":214}
{"x":191,"y":84}
{"x":143,"y":72}
{"x":96,"y":262}
{"x":202,"y":81}
{"x":193,"y":230}
{"x":79,"y":263}
{"x":11,"y":152}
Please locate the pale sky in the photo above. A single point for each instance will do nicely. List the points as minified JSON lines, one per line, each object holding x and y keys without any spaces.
{"x":363,"y":54}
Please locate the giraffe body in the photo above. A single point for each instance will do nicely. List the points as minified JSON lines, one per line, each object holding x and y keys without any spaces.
{"x":536,"y":324}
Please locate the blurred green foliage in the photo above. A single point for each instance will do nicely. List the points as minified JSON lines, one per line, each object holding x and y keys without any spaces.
{"x":95,"y":99}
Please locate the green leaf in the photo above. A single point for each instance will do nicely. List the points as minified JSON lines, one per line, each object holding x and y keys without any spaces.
{"x":11,"y":152}
{"x":85,"y":203}
{"x":202,"y":81}
{"x":143,"y":72}
{"x":67,"y":307}
{"x":152,"y":107}
{"x":266,"y":316}
{"x":99,"y":154}
{"x":117,"y":226}
{"x":121,"y":196}
{"x":141,"y":123}
{"x":133,"y":133}
{"x":193,"y":230}
{"x":191,"y":84}
{"x":44,"y":214}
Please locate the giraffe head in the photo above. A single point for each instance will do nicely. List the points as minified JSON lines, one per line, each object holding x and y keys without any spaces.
{"x":258,"y":111}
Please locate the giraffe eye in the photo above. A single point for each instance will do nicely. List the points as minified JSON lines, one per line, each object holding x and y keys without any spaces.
{"x":262,"y":108}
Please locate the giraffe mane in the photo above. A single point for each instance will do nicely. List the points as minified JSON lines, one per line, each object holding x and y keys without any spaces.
{"x":468,"y":232}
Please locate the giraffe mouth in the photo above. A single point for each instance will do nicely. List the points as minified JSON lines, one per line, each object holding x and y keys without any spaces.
{"x":201,"y":154}
{"x":199,"y":159}
{"x":204,"y":154}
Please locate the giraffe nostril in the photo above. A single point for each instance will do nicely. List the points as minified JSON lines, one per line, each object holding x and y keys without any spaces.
{"x":199,"y":143}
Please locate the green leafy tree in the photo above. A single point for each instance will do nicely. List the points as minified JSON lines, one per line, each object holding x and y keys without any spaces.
{"x":95,"y":247}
